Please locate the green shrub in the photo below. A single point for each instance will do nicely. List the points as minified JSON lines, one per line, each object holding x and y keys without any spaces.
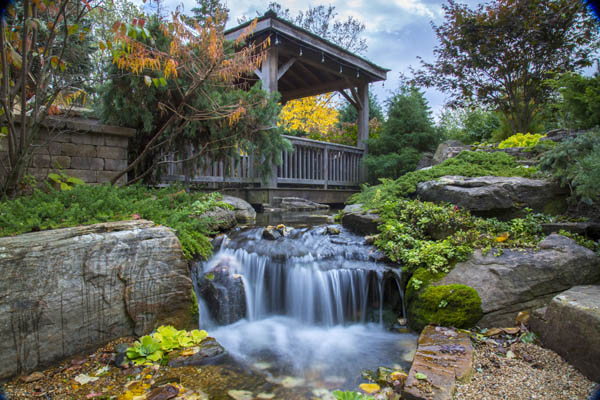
{"x":419,"y":234}
{"x":526,"y":140}
{"x":86,"y":204}
{"x":447,"y":305}
{"x":467,"y":163}
{"x":576,"y":163}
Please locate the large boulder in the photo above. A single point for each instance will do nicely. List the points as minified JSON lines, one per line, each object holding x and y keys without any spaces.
{"x":495,"y":195}
{"x":360,"y":221}
{"x":448,"y":149}
{"x":570,"y":326}
{"x":244,"y":212}
{"x":524,"y":280}
{"x":220,"y":219}
{"x":66,"y":291}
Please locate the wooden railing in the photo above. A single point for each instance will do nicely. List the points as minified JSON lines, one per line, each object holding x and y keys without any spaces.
{"x":311,"y":163}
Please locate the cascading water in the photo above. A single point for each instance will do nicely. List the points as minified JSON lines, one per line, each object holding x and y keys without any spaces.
{"x":309,"y":304}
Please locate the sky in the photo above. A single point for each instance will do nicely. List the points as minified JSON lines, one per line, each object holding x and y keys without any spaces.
{"x":397,"y":32}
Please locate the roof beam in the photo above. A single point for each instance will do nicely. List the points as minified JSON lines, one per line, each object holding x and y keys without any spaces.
{"x":284,"y":68}
{"x":340,"y":84}
{"x":347,"y":97}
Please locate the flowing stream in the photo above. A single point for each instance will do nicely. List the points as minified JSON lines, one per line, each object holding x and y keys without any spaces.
{"x":315,"y":305}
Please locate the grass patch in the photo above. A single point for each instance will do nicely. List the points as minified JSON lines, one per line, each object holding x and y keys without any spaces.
{"x":86,"y":205}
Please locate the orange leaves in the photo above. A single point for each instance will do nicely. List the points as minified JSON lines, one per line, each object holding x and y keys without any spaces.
{"x":170,"y":69}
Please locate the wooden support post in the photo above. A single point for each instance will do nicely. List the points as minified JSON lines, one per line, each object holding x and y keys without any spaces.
{"x":269,"y":77}
{"x":363,"y":122}
{"x":269,"y":70}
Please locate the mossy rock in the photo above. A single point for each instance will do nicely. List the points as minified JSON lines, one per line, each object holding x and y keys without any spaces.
{"x":447,"y":305}
{"x":425,"y":277}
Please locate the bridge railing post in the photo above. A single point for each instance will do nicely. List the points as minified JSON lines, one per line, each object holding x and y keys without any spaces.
{"x":326,"y":166}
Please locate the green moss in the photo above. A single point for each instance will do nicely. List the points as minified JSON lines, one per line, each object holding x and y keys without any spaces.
{"x":556,"y":207}
{"x":194,"y":312}
{"x":422,"y":278}
{"x":447,"y":305}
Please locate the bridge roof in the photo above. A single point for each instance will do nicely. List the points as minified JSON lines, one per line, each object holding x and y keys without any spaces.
{"x":310,"y":64}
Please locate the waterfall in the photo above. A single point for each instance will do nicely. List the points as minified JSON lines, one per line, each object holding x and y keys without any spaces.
{"x":309,"y":276}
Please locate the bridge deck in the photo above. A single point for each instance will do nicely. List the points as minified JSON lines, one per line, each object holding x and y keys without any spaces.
{"x":314,"y":170}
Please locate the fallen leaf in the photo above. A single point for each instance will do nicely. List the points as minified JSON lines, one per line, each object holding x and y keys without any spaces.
{"x":190,"y":351}
{"x":240,"y":395}
{"x":493,"y":332}
{"x":420,"y":376}
{"x":36,"y":376}
{"x":83,"y":379}
{"x":265,"y":396}
{"x":512,"y":331}
{"x":510,"y":355}
{"x":502,"y":237}
{"x":522,"y":318}
{"x":290,"y":382}
{"x":369,"y":388}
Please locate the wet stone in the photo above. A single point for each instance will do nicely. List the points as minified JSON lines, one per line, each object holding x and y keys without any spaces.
{"x":443,"y":356}
{"x":163,"y":393}
{"x":211,"y":352}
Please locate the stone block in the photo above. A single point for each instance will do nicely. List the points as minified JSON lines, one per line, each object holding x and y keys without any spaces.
{"x":106,"y":176}
{"x":96,"y":139}
{"x":94,"y":163}
{"x":114,"y":153}
{"x":116,"y":141}
{"x":72,"y":149}
{"x":86,"y":175}
{"x":61,"y":162}
{"x":41,"y":161}
{"x":114,"y":165}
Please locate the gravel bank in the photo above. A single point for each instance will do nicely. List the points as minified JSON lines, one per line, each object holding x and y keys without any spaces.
{"x":527,"y":372}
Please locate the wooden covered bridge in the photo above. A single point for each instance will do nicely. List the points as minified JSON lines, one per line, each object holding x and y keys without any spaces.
{"x":300,"y":64}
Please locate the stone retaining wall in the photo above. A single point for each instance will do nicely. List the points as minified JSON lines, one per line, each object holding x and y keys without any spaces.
{"x":78,"y":147}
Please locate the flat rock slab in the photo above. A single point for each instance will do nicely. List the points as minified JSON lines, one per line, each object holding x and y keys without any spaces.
{"x":443,"y":356}
{"x":360,"y":221}
{"x":495,"y":195}
{"x":570,"y":326}
{"x":66,"y":291}
{"x":524,"y":280}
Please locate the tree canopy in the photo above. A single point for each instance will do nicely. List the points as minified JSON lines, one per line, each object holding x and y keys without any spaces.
{"x":322,"y":20}
{"x":406,"y":134}
{"x":499,"y":54}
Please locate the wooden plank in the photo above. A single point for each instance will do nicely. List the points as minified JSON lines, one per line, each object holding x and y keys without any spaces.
{"x":302,"y":181}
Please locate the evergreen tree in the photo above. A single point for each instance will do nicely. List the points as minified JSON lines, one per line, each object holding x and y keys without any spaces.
{"x":406,"y":134}
{"x":349,"y":114}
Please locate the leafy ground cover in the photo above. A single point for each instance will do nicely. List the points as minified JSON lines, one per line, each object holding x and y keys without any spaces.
{"x":467,"y":163}
{"x":86,"y":204}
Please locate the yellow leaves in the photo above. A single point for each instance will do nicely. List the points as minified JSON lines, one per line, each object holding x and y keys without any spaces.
{"x":369,"y":388}
{"x":310,"y":114}
{"x":503,"y":237}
